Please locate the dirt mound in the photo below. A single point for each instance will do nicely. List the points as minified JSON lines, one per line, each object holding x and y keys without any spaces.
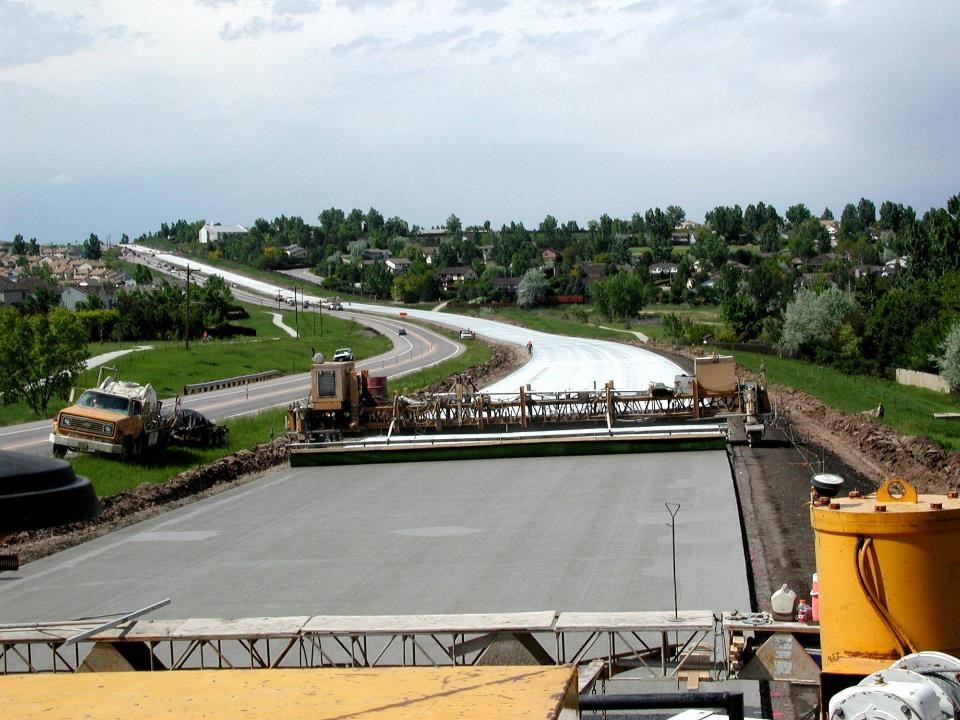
{"x":864,"y":441}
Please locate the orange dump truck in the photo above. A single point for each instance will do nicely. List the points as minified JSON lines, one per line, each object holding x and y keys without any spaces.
{"x":117,"y":417}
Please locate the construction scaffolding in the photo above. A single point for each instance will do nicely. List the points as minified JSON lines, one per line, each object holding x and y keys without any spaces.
{"x":689,"y":645}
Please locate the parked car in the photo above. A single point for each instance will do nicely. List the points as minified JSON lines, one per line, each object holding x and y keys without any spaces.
{"x":342,"y":355}
{"x":466,"y":334}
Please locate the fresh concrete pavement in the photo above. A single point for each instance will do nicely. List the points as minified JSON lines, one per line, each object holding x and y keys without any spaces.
{"x":582,"y":533}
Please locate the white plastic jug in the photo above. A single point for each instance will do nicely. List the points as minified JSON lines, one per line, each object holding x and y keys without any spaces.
{"x":783,"y":603}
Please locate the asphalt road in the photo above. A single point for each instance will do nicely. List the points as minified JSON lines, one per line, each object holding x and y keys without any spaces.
{"x":583,"y":533}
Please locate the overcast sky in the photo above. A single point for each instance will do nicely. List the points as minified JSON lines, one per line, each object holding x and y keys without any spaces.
{"x":117,"y":115}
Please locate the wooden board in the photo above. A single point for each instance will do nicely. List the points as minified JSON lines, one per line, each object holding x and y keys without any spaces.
{"x":541,"y":621}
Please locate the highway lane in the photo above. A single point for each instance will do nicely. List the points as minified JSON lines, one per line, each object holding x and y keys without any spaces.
{"x":574,"y":533}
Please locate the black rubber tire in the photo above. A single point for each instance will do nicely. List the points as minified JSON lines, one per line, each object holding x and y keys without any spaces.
{"x":59,"y":451}
{"x":129,"y":448}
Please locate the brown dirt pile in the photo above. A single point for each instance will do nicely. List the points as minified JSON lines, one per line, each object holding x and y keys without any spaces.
{"x":864,"y":442}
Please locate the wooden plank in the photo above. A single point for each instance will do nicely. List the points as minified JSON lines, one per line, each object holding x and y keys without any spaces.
{"x":587,"y":675}
{"x":541,"y":621}
{"x":209,"y":628}
{"x":640,"y":621}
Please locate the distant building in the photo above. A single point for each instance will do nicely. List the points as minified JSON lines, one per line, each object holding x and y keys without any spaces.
{"x":295,"y":252}
{"x":14,"y":291}
{"x":663,"y":270}
{"x":551,"y":256}
{"x":399,"y":266}
{"x":72,"y":295}
{"x":217,"y":233}
{"x":450,"y":276}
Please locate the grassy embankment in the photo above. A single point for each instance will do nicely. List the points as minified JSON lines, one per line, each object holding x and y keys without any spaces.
{"x":908,"y":410}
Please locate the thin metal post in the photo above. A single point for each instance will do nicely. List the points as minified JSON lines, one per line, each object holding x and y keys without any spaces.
{"x":673,"y":509}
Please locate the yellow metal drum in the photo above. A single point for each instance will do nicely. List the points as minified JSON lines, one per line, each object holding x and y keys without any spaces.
{"x":889,"y":569}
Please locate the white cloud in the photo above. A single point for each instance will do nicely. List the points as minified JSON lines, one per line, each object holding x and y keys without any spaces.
{"x":62,"y":179}
{"x":28,"y":35}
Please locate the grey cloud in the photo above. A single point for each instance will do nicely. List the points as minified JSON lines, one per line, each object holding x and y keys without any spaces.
{"x":255,"y":27}
{"x":120,"y":32}
{"x":295,"y":7}
{"x":644,"y":6}
{"x":486,"y":39}
{"x":565,"y":41}
{"x":27,"y":36}
{"x":357,"y":5}
{"x":364,"y":42}
{"x":486,"y":6}
{"x":432,"y":39}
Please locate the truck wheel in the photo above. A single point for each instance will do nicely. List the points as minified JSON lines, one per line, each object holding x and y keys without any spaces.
{"x":59,"y":451}
{"x":129,"y":448}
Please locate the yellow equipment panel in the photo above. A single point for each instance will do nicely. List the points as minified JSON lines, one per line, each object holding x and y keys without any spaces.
{"x":889,"y":569}
{"x":384,"y":693}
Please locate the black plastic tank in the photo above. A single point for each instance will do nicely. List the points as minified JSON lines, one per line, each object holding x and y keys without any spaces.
{"x":38,"y":492}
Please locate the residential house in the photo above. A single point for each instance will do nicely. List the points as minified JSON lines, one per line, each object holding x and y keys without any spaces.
{"x":663,"y":271}
{"x":432,"y":235}
{"x":833,"y":229}
{"x":398,"y":265}
{"x":683,"y":237}
{"x":892,"y":268}
{"x":508,"y":285}
{"x":551,"y":256}
{"x":295,"y":252}
{"x":689,"y":225}
{"x":376,"y":254}
{"x":486,"y":251}
{"x":72,"y":295}
{"x":14,"y":291}
{"x":450,"y":276}
{"x":217,"y":233}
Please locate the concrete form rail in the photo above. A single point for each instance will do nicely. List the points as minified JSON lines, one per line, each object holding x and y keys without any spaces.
{"x":693,"y":645}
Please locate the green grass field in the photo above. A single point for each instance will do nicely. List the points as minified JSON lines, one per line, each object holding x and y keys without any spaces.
{"x":906,"y":409}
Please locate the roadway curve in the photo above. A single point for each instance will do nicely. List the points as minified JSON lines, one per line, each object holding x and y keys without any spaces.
{"x":558,"y":362}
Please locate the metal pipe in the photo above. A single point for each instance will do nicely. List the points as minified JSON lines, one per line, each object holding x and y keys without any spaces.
{"x":732,"y":702}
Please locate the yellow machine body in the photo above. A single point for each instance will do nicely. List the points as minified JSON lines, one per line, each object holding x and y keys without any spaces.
{"x":889,"y":570}
{"x":544,"y":693}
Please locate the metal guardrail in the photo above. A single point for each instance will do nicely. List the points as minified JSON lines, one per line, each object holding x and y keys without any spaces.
{"x":230,"y":382}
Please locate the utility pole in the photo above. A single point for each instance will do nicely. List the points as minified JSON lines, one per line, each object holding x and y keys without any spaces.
{"x":186,"y":313}
{"x":296,"y":316}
